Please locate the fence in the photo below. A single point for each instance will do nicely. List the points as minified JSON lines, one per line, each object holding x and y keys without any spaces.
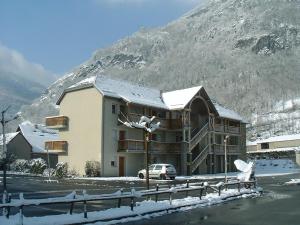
{"x":121,"y":195}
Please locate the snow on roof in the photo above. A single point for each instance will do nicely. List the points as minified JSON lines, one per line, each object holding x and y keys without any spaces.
{"x":228,"y":113}
{"x":180,"y":98}
{"x":8,"y":137}
{"x":132,"y":93}
{"x":287,"y":149}
{"x":281,"y":138}
{"x":37,"y":135}
{"x":138,"y":94}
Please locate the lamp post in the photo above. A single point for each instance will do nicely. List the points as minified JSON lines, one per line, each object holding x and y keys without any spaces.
{"x":225,"y":156}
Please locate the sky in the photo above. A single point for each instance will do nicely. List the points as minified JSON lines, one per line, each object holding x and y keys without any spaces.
{"x":57,"y":35}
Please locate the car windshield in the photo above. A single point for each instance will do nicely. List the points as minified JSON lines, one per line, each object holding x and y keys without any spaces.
{"x":151,"y":167}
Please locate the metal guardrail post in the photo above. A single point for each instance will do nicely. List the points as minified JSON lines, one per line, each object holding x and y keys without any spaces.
{"x":131,"y":203}
{"x":170,"y":197}
{"x":72,"y":206}
{"x":201,"y":192}
{"x":219,"y":188}
{"x":187,"y":186}
{"x":156,"y":195}
{"x":84,"y":204}
{"x":120,"y":199}
{"x":239,"y":186}
{"x":8,"y":208}
{"x":21,"y":215}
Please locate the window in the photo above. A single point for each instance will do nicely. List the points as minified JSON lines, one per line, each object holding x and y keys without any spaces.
{"x":151,"y":167}
{"x":113,"y":109}
{"x":158,"y":167}
{"x":121,"y":135}
{"x":112,"y":163}
{"x":233,"y":140}
{"x":264,"y":145}
{"x":218,"y":139}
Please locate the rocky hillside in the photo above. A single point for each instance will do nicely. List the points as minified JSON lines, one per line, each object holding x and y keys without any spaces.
{"x":244,"y":52}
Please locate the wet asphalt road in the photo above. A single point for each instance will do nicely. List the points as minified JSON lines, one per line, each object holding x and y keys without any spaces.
{"x":279,"y":205}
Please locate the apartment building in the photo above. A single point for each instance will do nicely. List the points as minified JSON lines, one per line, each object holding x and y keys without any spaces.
{"x":191,"y":133}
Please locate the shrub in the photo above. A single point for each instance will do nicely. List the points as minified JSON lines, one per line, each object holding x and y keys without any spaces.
{"x":47,"y":171}
{"x":37,"y":166}
{"x":61,"y":170}
{"x":92,"y":168}
{"x":20,"y":165}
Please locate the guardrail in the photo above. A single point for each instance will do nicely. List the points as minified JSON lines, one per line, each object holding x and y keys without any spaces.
{"x":120,"y":195}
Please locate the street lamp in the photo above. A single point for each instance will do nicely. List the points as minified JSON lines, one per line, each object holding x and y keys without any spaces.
{"x":4,"y":155}
{"x":225,"y":156}
{"x":149,"y":127}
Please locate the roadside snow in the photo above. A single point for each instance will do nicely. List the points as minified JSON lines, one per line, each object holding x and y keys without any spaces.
{"x":108,"y":178}
{"x":293,"y":182}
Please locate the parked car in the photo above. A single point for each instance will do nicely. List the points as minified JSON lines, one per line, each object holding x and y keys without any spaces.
{"x":159,"y":171}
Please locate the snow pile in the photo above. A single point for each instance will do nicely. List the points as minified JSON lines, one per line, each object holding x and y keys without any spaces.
{"x":293,"y":182}
{"x":141,"y":210}
{"x":275,"y":167}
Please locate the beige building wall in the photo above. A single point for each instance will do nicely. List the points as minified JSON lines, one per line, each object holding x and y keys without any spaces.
{"x":84,"y":110}
{"x":251,"y":148}
{"x":284,"y":144}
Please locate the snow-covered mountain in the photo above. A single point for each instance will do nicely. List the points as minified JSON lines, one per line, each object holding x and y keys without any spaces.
{"x":283,"y":119}
{"x":244,"y":52}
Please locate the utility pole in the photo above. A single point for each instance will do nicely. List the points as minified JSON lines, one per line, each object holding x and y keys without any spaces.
{"x":225,"y":155}
{"x":3,"y":123}
{"x":147,"y":159}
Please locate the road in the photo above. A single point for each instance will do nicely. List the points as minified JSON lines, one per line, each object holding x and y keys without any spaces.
{"x":280,"y":204}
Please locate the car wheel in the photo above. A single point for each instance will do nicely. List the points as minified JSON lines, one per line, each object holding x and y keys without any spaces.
{"x":141,"y":176}
{"x":162,"y":177}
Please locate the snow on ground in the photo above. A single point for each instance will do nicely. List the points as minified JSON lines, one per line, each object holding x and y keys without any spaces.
{"x":263,"y":167}
{"x":293,"y":182}
{"x":141,"y":210}
{"x":108,"y":178}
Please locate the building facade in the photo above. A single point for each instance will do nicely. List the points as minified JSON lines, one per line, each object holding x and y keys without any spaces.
{"x":191,"y":133}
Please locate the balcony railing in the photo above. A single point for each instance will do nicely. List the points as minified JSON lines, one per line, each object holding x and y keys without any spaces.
{"x":220,"y":148}
{"x":227,"y":129}
{"x":169,"y":124}
{"x":138,"y":146}
{"x":56,"y":146}
{"x":57,"y":122}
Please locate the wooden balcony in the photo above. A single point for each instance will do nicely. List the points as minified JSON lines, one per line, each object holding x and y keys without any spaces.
{"x":226,"y":129}
{"x":134,"y":146}
{"x":165,"y":148}
{"x":57,"y":122}
{"x":220,"y":149}
{"x":138,"y":146}
{"x":56,"y":146}
{"x":167,"y":124}
{"x":234,"y":130}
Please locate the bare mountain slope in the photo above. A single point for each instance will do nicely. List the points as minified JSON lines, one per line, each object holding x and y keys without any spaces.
{"x":244,"y":52}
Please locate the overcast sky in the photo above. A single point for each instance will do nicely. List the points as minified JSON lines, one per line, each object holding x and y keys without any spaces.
{"x":57,"y":35}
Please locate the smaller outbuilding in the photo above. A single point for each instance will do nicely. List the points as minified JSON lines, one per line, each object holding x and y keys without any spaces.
{"x":29,"y":142}
{"x":284,"y":146}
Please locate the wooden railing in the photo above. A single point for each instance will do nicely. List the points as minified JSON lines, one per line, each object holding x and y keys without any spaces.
{"x":163,"y":147}
{"x":131,"y":145}
{"x":56,"y":146}
{"x":154,"y":147}
{"x":57,"y":122}
{"x":220,"y":148}
{"x":226,"y":129}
